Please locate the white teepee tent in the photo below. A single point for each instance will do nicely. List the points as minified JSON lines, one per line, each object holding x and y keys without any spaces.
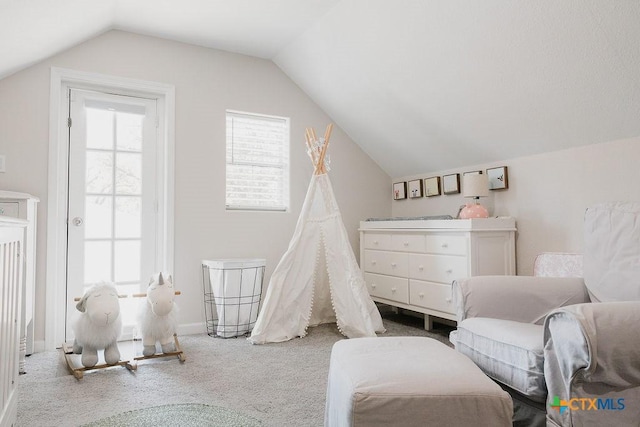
{"x":317,"y":280}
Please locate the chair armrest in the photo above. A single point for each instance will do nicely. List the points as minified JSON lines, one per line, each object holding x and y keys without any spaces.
{"x":519,"y":298}
{"x":596,"y":343}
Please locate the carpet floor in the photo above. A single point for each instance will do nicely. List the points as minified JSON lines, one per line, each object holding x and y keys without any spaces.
{"x":281,"y":384}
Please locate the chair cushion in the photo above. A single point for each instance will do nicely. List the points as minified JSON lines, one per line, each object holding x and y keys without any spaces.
{"x":509,"y":352}
{"x":611,"y":242}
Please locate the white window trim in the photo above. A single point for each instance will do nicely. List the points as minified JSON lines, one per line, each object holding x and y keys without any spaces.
{"x":287,"y":187}
{"x":58,"y":161}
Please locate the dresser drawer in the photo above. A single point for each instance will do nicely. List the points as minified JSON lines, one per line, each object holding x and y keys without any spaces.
{"x":389,"y":263}
{"x":438,"y":268}
{"x":446,"y":244}
{"x":435,"y":296}
{"x":387,"y":287}
{"x":377,"y":241}
{"x":408,"y":242}
{"x":11,"y":209}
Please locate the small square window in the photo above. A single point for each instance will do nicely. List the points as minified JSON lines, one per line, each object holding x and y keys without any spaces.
{"x":257,"y":173}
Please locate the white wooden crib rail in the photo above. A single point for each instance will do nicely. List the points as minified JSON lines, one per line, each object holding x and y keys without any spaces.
{"x":11,"y":270}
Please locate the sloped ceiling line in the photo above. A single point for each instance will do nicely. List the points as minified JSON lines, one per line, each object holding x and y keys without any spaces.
{"x":420,"y":85}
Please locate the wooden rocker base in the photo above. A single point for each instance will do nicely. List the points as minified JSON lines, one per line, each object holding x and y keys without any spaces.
{"x":178,"y":352}
{"x":77,"y":370}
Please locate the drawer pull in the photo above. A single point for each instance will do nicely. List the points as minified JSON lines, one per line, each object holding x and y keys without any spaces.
{"x":421,"y":267}
{"x":447,"y":299}
{"x":375,"y":242}
{"x":449,"y":271}
{"x":393,"y":290}
{"x":393,"y":264}
{"x":421,"y":294}
{"x":373,"y":286}
{"x":406,"y":244}
{"x":374,"y":262}
{"x":445,"y":245}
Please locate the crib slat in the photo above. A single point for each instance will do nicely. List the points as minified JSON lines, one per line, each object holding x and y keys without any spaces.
{"x":11,"y":267}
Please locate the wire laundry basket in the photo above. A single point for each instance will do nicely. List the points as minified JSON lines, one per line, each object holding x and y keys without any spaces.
{"x":232,"y":294}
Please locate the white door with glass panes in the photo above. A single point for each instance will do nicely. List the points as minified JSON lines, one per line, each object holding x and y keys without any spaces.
{"x":113,"y":197}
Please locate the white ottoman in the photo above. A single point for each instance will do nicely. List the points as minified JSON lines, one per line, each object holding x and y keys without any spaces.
{"x":410,"y":381}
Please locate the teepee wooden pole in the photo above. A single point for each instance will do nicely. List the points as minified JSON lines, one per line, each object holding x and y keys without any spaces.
{"x":327,"y":132}
{"x":318,"y":154}
{"x":307,"y":135}
{"x":312,"y":152}
{"x":323,"y":152}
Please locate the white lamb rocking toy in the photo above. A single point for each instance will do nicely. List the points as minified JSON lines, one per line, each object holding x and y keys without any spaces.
{"x":158,"y":317}
{"x":98,"y":325}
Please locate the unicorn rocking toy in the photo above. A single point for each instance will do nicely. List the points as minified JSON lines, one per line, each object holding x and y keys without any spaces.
{"x":158,"y":316}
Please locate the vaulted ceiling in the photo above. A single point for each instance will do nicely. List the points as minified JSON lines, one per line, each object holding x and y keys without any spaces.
{"x":420,"y":85}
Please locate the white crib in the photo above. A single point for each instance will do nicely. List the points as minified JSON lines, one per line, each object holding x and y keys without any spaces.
{"x":11,"y":269}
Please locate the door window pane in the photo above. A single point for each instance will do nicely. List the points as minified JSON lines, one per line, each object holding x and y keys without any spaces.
{"x":127,"y":262}
{"x":129,"y":132}
{"x":97,"y":261}
{"x":130,"y":307}
{"x":129,"y":173}
{"x":99,"y":172}
{"x":128,"y":217}
{"x":99,"y":128}
{"x":98,"y":217}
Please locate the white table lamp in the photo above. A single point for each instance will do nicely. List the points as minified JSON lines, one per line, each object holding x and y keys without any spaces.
{"x":474,"y":186}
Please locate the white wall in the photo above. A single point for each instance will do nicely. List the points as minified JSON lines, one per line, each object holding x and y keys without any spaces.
{"x":547,"y":194}
{"x":207,"y":83}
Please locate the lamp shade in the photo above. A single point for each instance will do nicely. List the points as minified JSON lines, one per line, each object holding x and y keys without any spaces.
{"x":475,"y":185}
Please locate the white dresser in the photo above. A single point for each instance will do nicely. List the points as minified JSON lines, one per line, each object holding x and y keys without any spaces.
{"x":411,"y":264}
{"x":24,"y":206}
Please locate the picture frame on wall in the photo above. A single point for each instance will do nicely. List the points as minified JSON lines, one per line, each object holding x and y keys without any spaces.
{"x":451,"y":183}
{"x":498,"y":178}
{"x":400,"y":190}
{"x":432,"y":186}
{"x":415,"y":188}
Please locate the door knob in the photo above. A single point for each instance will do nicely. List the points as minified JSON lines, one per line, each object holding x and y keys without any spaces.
{"x":77,"y":221}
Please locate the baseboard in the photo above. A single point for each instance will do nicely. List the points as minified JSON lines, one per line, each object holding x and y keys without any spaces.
{"x":192,"y":328}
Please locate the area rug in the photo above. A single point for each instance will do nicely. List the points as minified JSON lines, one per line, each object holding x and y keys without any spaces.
{"x":184,"y":415}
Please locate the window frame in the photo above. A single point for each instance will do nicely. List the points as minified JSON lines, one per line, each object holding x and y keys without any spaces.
{"x":285,"y":165}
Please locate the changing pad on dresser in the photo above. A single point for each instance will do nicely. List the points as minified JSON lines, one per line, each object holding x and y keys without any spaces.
{"x":411,"y":218}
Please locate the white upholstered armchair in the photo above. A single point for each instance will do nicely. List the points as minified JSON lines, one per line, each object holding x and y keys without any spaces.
{"x":572,"y":343}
